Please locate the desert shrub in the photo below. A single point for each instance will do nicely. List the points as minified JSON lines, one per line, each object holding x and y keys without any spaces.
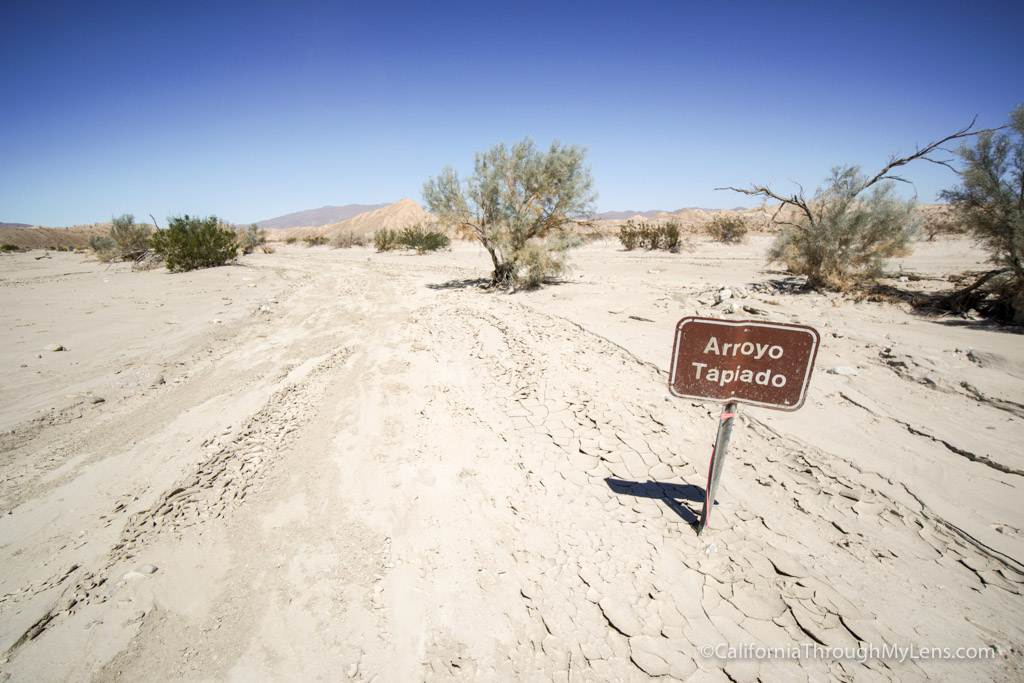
{"x":635,"y":235}
{"x":130,"y":240}
{"x":670,"y":236}
{"x":291,"y":240}
{"x":543,"y":261}
{"x":250,"y":238}
{"x":990,"y":201}
{"x":385,"y":240}
{"x":102,"y":246}
{"x":423,"y":239}
{"x":516,"y":198}
{"x":347,"y":240}
{"x":727,"y":229}
{"x":191,"y":243}
{"x":267,"y":249}
{"x":8,"y":248}
{"x":629,"y":235}
{"x":314,"y":240}
{"x":841,"y":236}
{"x":851,"y":237}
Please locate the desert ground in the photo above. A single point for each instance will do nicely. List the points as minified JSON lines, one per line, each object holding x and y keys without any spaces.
{"x":332,"y":464}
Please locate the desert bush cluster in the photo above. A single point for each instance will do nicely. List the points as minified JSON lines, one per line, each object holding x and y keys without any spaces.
{"x":347,"y":240}
{"x":315,"y":240}
{"x":417,"y":237}
{"x":727,"y":229}
{"x":190,"y":243}
{"x":126,"y":241}
{"x":641,"y":235}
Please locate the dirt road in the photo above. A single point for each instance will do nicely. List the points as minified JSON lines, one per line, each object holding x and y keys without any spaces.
{"x":369,"y":469}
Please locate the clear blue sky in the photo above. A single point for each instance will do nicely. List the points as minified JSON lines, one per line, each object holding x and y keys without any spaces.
{"x":254,"y":109}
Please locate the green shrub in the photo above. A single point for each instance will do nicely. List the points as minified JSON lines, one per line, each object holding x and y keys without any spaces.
{"x":670,"y":236}
{"x":423,"y":239}
{"x":191,"y":243}
{"x":314,"y":240}
{"x":633,"y":235}
{"x":8,"y":248}
{"x":629,"y":235}
{"x":385,"y":240}
{"x":727,"y":229}
{"x":250,"y":238}
{"x":291,"y":240}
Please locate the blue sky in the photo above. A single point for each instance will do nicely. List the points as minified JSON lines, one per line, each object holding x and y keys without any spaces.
{"x":253,"y":109}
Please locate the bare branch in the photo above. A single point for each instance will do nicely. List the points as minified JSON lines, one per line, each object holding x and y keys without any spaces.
{"x":921,"y":153}
{"x":796,"y":200}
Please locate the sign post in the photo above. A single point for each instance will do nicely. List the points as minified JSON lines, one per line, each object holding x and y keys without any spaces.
{"x":743,"y":361}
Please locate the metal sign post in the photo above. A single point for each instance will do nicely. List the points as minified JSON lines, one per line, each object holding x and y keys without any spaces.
{"x":742,"y":361}
{"x":717,"y":462}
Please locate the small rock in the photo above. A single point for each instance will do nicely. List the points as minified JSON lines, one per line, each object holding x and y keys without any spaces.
{"x":353,"y":670}
{"x":903,"y":278}
{"x":842,"y":370}
{"x":711,"y":549}
{"x":148,"y":569}
{"x":723,"y":294}
{"x":97,"y":399}
{"x":215,"y":321}
{"x":132,"y":575}
{"x":264,"y":309}
{"x":733,"y":307}
{"x":158,"y":381}
{"x":742,"y":292}
{"x":53,"y":347}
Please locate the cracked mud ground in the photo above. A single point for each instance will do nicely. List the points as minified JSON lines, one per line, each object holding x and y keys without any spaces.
{"x":368,"y":469}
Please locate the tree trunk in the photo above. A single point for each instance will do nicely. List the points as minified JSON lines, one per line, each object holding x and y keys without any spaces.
{"x":504,"y":273}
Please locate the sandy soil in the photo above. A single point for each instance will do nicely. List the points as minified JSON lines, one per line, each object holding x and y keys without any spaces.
{"x":335,"y":464}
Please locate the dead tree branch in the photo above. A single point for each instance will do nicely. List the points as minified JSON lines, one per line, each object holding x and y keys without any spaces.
{"x":799,"y":202}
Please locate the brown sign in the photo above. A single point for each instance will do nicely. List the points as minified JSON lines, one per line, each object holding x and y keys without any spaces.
{"x":761,"y":364}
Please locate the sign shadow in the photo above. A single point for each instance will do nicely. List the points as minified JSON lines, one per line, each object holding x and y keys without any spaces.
{"x":672,"y":495}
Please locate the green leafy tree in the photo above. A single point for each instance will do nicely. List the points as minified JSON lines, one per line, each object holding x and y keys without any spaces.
{"x":842,"y":235}
{"x":990,"y":201}
{"x":190,"y":243}
{"x":517,"y":198}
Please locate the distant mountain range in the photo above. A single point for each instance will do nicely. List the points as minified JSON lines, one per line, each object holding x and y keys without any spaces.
{"x":402,"y":214}
{"x":315,"y":218}
{"x":623,"y":215}
{"x":15,"y":225}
